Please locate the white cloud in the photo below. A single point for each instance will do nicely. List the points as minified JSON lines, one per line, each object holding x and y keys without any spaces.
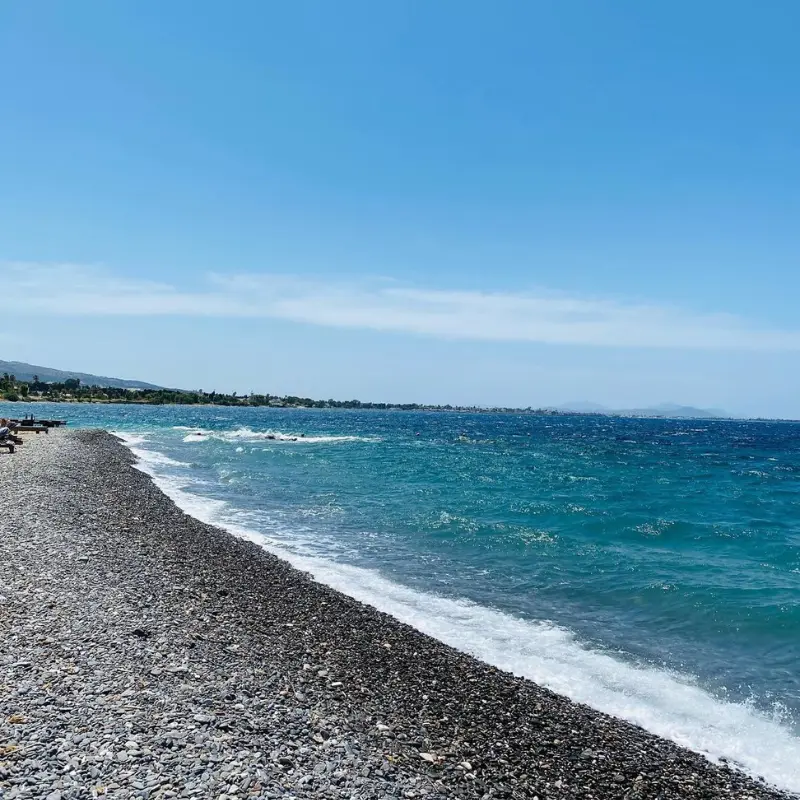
{"x":387,"y":306}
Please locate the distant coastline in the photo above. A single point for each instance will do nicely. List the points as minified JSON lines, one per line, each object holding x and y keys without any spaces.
{"x":73,"y":391}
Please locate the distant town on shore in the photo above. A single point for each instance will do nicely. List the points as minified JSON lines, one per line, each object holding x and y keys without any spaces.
{"x":31,"y":387}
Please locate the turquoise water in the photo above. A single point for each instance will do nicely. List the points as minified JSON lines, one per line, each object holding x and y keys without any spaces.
{"x":650,"y":568}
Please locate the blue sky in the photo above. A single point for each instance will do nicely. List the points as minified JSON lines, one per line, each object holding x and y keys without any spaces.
{"x":512,"y":202}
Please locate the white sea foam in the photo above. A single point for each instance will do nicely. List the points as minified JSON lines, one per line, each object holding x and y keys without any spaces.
{"x":152,"y":457}
{"x":203,"y":508}
{"x":663,"y":702}
{"x":130,"y":439}
{"x":246,"y":434}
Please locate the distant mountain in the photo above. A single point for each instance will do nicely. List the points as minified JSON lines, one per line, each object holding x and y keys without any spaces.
{"x":661,"y":410}
{"x":673,"y":410}
{"x":25,"y":372}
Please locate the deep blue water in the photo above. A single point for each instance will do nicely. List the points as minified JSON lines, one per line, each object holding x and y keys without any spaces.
{"x":650,"y":568}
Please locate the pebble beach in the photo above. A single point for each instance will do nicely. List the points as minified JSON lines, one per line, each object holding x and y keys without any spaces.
{"x":145,"y":654}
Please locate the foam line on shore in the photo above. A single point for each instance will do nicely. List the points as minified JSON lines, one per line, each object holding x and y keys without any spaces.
{"x":146,"y":456}
{"x":662,"y":702}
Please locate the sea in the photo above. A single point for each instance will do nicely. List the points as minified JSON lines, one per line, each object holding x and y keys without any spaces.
{"x":649,"y":568}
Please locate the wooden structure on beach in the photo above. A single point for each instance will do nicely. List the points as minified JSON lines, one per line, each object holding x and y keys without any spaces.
{"x":29,"y":424}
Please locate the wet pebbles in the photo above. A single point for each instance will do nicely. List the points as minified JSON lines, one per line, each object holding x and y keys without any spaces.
{"x":144,"y":654}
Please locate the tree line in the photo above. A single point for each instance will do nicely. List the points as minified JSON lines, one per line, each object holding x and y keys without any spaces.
{"x":73,"y":391}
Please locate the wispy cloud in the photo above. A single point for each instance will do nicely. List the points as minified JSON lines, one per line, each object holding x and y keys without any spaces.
{"x":387,"y":306}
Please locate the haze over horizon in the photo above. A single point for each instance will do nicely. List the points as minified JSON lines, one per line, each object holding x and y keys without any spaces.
{"x":517,"y":205}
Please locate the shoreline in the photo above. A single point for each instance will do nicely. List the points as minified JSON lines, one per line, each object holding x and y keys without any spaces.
{"x":400,"y":409}
{"x":386,"y":710}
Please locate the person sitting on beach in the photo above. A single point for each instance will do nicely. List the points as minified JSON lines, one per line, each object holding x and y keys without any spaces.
{"x":6,"y":439}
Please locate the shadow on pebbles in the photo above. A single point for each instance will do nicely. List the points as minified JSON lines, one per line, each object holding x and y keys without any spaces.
{"x":145,"y":654}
